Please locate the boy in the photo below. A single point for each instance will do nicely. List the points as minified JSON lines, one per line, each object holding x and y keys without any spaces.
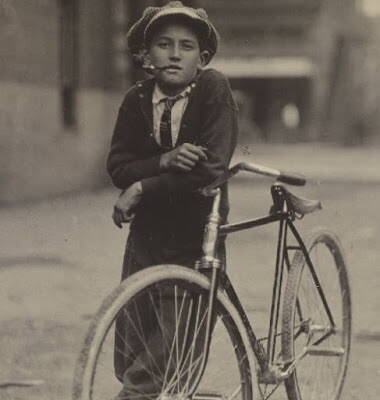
{"x":175,"y":133}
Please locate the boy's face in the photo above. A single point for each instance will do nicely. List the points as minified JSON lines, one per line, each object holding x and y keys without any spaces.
{"x":175,"y":46}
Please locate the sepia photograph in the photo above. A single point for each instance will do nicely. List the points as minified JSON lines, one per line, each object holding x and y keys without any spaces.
{"x":189,"y":197}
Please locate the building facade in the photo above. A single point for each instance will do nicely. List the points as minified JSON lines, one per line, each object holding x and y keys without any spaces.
{"x":58,"y":71}
{"x":288,"y":57}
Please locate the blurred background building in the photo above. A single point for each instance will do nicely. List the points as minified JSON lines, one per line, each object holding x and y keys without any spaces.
{"x":302,"y":71}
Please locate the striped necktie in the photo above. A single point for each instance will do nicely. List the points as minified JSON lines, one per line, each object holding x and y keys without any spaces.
{"x":166,"y":121}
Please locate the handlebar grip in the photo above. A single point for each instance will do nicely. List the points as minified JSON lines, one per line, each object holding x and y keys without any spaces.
{"x":291,"y":179}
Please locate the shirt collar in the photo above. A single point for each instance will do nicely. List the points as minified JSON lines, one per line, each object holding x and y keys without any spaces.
{"x":158,"y":94}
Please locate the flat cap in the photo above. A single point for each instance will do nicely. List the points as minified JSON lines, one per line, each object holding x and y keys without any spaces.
{"x":140,"y":34}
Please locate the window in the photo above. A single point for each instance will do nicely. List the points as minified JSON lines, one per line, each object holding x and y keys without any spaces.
{"x":68,"y":60}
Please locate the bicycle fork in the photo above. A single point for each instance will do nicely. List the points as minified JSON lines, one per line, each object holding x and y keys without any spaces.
{"x":209,"y":261}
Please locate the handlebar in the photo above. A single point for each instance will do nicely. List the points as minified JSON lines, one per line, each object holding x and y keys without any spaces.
{"x":281,"y":176}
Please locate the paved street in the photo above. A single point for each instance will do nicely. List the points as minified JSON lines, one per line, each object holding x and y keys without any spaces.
{"x":61,"y":257}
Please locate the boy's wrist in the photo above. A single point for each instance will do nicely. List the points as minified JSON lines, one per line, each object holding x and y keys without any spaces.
{"x":164,"y":162}
{"x":137,"y":188}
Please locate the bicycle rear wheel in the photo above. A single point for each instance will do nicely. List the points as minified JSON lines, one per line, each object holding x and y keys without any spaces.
{"x":167,"y":342}
{"x":324,"y":329}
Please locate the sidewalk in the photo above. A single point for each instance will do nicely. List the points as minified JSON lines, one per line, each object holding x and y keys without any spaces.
{"x":320,"y":162}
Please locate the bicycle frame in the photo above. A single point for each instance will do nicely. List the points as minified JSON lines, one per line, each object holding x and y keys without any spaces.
{"x":271,"y":372}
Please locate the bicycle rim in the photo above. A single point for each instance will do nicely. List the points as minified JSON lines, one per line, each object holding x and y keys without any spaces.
{"x":165,"y":311}
{"x":306,"y":322}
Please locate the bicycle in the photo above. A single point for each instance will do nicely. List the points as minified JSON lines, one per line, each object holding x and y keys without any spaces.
{"x":309,"y":353}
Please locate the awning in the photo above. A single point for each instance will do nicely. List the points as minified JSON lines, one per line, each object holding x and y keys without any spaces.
{"x":264,"y":67}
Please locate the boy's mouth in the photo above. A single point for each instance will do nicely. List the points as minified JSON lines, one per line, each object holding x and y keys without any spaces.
{"x":152,"y":67}
{"x":172,"y":68}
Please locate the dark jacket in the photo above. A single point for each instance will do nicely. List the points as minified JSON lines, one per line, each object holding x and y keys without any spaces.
{"x":172,"y":213}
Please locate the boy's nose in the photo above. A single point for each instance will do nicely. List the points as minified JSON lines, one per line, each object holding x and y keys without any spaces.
{"x":175,"y":53}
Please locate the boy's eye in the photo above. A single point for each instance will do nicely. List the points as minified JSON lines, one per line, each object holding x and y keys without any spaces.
{"x":163,"y":45}
{"x":187,"y":46}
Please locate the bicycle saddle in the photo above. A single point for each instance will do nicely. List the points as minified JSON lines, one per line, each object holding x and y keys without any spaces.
{"x":300,"y":205}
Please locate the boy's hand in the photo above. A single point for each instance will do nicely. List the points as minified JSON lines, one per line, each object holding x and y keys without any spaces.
{"x":128,"y":200}
{"x":183,"y":158}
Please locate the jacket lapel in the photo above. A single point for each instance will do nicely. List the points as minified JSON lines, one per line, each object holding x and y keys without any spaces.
{"x":145,"y":101}
{"x":186,"y":132}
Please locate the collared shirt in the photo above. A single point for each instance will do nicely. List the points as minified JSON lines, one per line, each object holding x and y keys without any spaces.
{"x":177,"y":112}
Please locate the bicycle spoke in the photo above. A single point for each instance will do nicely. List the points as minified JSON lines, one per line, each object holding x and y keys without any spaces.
{"x":140,"y":363}
{"x":235,"y":393}
{"x":190,"y":355}
{"x":185,"y":372}
{"x":143,"y":340}
{"x":159,"y":317}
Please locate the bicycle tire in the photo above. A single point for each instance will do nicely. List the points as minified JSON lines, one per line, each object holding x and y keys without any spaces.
{"x":86,"y":368}
{"x":328,"y":364}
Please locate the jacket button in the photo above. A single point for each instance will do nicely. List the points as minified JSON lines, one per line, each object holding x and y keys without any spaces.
{"x":141,"y":95}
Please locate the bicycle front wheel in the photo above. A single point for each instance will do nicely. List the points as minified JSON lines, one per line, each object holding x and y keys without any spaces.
{"x":316,"y":326}
{"x":157,"y":342}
